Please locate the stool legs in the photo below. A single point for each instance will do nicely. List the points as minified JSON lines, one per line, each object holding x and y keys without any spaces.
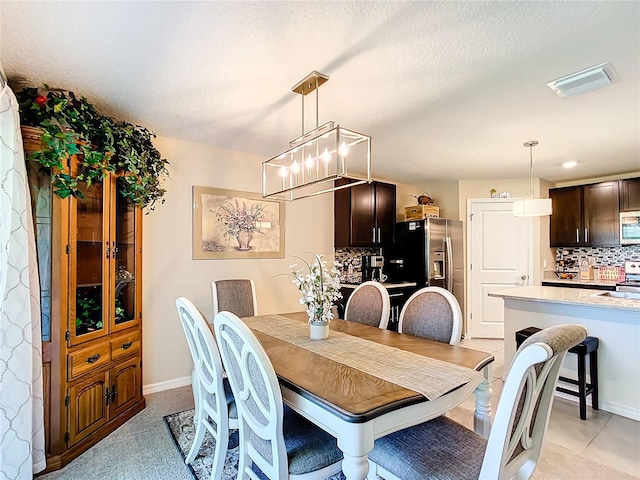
{"x":593,"y":372}
{"x":582,"y":386}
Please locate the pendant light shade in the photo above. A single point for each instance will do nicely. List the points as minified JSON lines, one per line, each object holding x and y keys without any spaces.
{"x":532,"y":207}
{"x":318,"y":157}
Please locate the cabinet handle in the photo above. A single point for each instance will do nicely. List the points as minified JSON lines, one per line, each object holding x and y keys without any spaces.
{"x":93,"y":358}
{"x":106,"y":250}
{"x":114,"y":249}
{"x":107,"y":396}
{"x":127,"y":345}
{"x":577,"y":235}
{"x":379,"y":236}
{"x":586,"y":235}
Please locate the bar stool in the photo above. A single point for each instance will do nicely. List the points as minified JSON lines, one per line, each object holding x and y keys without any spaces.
{"x":589,"y":346}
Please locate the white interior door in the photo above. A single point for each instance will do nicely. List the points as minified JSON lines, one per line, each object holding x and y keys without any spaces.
{"x":499,"y":257}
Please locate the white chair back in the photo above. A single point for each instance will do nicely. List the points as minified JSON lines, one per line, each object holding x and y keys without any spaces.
{"x":258,"y":398}
{"x":522,"y":416}
{"x":443,"y":448}
{"x":210,"y":398}
{"x":433,"y":313}
{"x":369,"y":304}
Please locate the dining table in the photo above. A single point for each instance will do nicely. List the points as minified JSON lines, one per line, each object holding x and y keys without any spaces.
{"x":363,"y":382}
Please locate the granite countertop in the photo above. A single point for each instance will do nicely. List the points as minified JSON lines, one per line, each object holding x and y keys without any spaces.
{"x":550,"y":277}
{"x":573,"y":296}
{"x":388,"y":286}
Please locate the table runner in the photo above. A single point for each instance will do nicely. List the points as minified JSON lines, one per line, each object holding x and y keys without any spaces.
{"x":427,"y":376}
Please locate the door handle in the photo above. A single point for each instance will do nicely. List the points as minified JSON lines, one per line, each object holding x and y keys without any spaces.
{"x":577,"y":235}
{"x":373,"y":231}
{"x":379,"y":237}
{"x":523,"y":277}
{"x":586,"y":235}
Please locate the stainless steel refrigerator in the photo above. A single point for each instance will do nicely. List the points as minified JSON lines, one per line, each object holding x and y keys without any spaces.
{"x":432,"y":252}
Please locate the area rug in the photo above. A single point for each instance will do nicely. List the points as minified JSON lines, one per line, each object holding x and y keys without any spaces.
{"x":182,"y":431}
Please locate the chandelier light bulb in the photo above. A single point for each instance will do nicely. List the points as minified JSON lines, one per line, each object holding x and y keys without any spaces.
{"x":343,"y":149}
{"x":283,"y":171}
{"x":309,"y":162}
{"x":295,"y":167}
{"x":326,"y":156}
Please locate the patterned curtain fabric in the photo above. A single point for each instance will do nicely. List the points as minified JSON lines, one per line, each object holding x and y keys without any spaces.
{"x":22,"y":450}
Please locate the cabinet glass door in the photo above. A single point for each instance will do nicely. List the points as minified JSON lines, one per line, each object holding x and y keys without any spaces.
{"x":91,"y":250}
{"x":126,"y":268}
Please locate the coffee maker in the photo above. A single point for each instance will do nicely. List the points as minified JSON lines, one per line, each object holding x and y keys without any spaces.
{"x":372,"y":268}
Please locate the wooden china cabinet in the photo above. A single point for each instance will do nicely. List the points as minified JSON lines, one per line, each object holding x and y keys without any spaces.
{"x":89,"y":256}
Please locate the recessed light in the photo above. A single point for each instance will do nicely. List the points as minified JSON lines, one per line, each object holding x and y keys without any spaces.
{"x":570,"y":164}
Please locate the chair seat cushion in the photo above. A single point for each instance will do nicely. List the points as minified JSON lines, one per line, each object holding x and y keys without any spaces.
{"x":309,"y":448}
{"x":440,"y":449}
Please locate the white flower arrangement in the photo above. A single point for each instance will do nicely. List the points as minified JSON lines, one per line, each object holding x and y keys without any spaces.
{"x":320,"y":287}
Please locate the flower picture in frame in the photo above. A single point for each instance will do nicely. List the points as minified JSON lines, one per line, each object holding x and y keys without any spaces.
{"x":234,"y":224}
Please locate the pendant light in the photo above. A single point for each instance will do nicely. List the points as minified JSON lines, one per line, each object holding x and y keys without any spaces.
{"x":532,"y":207}
{"x":319,"y":157}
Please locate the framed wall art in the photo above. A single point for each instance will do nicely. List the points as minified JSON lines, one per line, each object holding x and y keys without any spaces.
{"x":234,"y":224}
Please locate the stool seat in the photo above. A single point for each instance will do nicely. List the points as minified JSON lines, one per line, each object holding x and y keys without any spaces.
{"x":589,"y":346}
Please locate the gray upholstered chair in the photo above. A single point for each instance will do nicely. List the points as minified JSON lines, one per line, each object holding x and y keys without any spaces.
{"x":369,"y":304}
{"x":237,"y":296}
{"x":278,"y":441}
{"x":215,"y":407}
{"x":443,"y":449}
{"x":434,"y":313}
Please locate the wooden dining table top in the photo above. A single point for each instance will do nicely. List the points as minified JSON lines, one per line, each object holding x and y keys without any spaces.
{"x":350,"y":393}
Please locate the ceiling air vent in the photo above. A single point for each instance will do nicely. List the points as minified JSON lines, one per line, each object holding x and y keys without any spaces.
{"x":583,"y":81}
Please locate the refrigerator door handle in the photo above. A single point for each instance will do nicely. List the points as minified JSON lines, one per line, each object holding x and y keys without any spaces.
{"x":448,"y":263}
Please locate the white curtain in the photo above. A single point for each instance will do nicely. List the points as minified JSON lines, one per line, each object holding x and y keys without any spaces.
{"x":21,"y":408}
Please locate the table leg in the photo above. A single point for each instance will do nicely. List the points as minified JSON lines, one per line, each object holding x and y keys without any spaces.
{"x":356,"y":441}
{"x":482,"y":417}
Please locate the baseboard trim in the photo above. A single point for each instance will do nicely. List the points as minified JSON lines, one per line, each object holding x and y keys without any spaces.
{"x":167,"y":385}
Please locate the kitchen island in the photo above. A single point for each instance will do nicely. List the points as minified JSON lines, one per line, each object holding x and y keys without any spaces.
{"x":615,"y":321}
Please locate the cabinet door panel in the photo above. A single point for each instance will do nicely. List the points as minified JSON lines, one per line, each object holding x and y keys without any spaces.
{"x":87,"y":407}
{"x":126,"y":382}
{"x":385,"y":212}
{"x":124,"y":281}
{"x":630,"y":195}
{"x":362,"y":215}
{"x":566,"y":225}
{"x":601,"y":214}
{"x":89,"y":253}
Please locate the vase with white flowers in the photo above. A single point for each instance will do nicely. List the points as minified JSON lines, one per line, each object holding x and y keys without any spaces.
{"x":320,"y":288}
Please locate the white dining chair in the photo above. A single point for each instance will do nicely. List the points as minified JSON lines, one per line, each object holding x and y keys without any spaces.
{"x":215,"y":408}
{"x":237,"y":296}
{"x":445,"y":450}
{"x":433,"y":313}
{"x":279,"y":442}
{"x":370,"y":304}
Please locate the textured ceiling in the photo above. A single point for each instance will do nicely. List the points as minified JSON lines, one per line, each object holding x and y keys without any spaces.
{"x":447,"y":90}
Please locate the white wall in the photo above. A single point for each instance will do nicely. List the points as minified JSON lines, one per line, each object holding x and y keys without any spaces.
{"x":169,"y":270}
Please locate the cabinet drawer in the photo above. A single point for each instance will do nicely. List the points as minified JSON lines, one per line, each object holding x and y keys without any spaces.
{"x":87,"y":359}
{"x":125,"y":345}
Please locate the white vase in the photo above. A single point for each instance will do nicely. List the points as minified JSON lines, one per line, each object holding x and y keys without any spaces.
{"x":318,"y":330}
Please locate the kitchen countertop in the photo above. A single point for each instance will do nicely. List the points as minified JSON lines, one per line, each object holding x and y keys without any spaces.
{"x":388,"y":286}
{"x":576,"y":281}
{"x":573,"y":296}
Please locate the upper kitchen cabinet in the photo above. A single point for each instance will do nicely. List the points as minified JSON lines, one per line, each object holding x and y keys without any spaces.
{"x":630,"y":195}
{"x":585,"y":215}
{"x":364,"y":215}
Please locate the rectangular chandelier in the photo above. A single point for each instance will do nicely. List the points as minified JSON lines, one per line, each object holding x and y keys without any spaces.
{"x":317,"y":158}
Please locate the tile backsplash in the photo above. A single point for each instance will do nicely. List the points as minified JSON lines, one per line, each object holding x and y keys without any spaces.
{"x":601,"y":256}
{"x":351,"y":261}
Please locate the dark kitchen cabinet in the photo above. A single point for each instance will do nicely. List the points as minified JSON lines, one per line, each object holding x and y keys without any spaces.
{"x":585,"y":215}
{"x":630,"y":195}
{"x":364,"y":215}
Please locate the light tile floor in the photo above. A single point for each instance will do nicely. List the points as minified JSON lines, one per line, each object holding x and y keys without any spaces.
{"x":605,"y":446}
